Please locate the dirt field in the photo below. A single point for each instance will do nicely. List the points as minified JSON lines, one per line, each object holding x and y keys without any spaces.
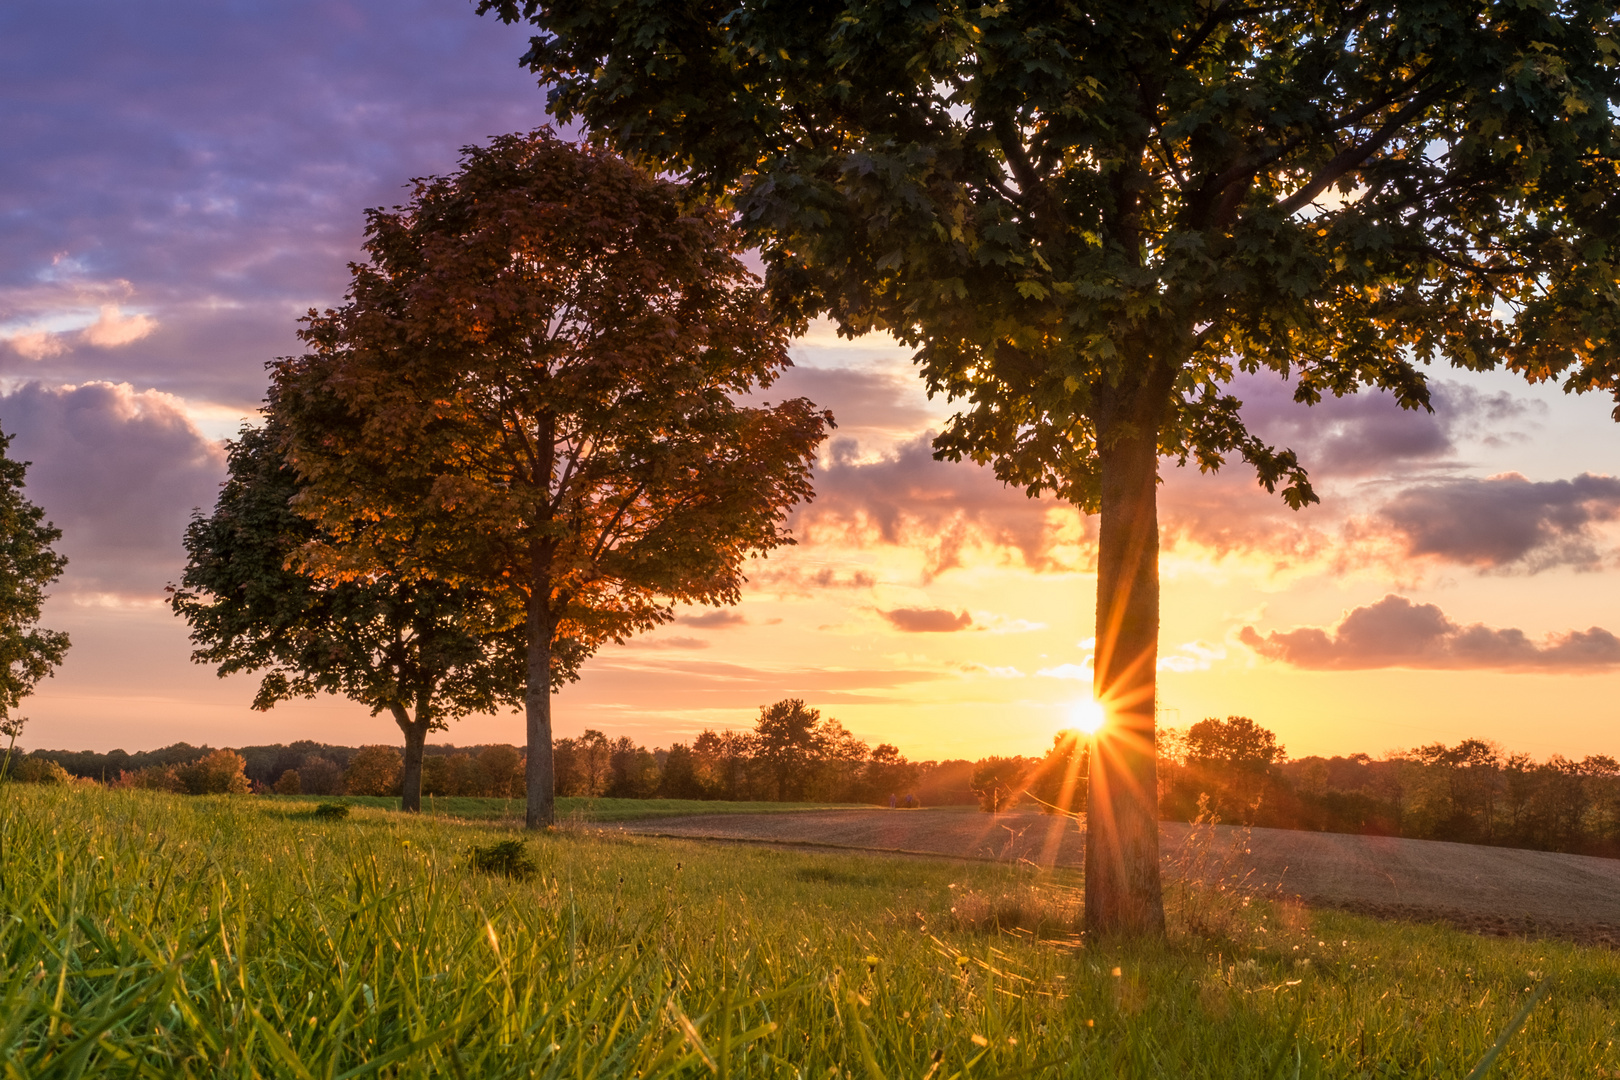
{"x":1488,"y":890}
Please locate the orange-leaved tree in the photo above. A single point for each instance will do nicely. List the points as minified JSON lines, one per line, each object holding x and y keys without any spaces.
{"x":534,"y":384}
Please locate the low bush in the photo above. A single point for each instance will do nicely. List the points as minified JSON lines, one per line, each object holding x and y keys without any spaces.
{"x":330,"y":811}
{"x":509,"y":858}
{"x":221,"y":772}
{"x":37,"y":770}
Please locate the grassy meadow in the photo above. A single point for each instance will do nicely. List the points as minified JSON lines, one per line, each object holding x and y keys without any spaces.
{"x":145,"y":934}
{"x":570,"y":810}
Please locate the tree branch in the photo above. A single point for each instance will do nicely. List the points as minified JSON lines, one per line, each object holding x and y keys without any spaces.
{"x":1353,"y":157}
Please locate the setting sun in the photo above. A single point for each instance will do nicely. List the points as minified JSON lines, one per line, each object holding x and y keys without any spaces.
{"x":1088,"y":716}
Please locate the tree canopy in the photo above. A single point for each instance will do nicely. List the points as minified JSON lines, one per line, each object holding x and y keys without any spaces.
{"x":533,"y":389}
{"x":1087,"y":218}
{"x":28,"y":564}
{"x":420,"y":650}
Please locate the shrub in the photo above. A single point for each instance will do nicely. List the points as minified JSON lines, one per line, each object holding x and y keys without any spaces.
{"x":151,"y":778}
{"x":288,"y":783}
{"x":330,"y":811}
{"x":221,"y":772}
{"x":38,"y":770}
{"x":509,"y":858}
{"x":375,"y":770}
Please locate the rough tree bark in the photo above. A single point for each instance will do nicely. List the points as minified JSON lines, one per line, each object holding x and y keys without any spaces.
{"x":541,"y":785}
{"x":416,"y":732}
{"x":1123,"y":890}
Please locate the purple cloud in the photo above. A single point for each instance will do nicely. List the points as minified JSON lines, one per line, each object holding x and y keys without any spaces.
{"x":1396,"y":633}
{"x":1505,"y":520}
{"x":863,"y":402}
{"x":119,"y":472}
{"x":1368,"y":432}
{"x":908,"y":498}
{"x":209,"y":162}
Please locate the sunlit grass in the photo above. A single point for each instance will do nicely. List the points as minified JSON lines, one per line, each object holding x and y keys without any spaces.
{"x":151,"y":935}
{"x":569,"y":810}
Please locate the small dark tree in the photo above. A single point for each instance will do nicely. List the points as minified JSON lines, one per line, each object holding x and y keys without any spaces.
{"x":1235,"y":743}
{"x":999,"y":781}
{"x":27,"y":565}
{"x":724,"y":763}
{"x":1230,"y":760}
{"x":889,"y":773}
{"x":1088,"y":218}
{"x":532,"y":388}
{"x":788,"y":743}
{"x":632,"y":770}
{"x":679,"y":777}
{"x":422,"y":651}
{"x":1059,"y":781}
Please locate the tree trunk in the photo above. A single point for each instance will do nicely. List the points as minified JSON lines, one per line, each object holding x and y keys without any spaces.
{"x":415,"y":739}
{"x":1123,"y":892}
{"x":541,"y":811}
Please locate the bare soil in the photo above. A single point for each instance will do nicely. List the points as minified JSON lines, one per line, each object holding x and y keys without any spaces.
{"x":1484,"y":889}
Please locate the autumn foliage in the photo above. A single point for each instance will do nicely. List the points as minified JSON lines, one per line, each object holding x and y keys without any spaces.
{"x":533,"y":388}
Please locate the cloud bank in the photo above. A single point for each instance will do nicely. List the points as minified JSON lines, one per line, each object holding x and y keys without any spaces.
{"x":205,"y":165}
{"x":942,"y":508}
{"x":1505,"y":521}
{"x":1396,"y":633}
{"x":119,"y":472}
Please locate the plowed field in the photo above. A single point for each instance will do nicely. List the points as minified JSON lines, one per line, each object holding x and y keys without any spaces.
{"x":1485,"y":889}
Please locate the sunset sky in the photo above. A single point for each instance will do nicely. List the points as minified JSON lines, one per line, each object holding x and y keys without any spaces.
{"x":181,"y":181}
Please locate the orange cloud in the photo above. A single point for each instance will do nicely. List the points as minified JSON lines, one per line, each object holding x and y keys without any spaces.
{"x":927,"y":620}
{"x":1396,"y":633}
{"x":112,"y":329}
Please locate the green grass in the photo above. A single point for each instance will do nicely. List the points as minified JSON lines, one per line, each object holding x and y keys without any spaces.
{"x":151,"y":935}
{"x":511,"y":810}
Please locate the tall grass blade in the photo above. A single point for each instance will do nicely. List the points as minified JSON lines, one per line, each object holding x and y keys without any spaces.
{"x":1508,"y":1032}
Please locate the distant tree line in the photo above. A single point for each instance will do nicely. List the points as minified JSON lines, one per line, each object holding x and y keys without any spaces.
{"x":1471,"y":792}
{"x":1232,"y":770}
{"x":793,"y":754}
{"x":302,"y":768}
{"x":1235,"y":771}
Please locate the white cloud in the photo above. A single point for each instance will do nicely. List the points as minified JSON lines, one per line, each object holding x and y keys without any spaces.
{"x":1000,"y":624}
{"x":1192,"y":656}
{"x":1080,"y":672}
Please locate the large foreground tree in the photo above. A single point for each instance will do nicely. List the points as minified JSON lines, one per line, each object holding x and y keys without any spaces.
{"x":1087,"y":217}
{"x":533,"y":388}
{"x":422,"y":651}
